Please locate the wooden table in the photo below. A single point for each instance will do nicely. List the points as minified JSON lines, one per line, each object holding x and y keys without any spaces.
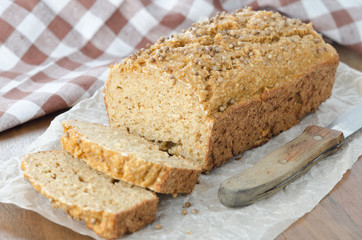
{"x":337,"y":216}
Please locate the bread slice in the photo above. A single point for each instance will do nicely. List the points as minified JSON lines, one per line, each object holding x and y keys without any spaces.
{"x":223,"y":86}
{"x":108,"y":206}
{"x":129,"y":157}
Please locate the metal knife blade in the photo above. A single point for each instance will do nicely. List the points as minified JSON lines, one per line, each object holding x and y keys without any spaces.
{"x":350,"y":122}
{"x":285,"y":164}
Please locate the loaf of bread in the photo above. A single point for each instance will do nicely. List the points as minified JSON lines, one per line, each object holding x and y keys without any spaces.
{"x":223,"y":86}
{"x":129,"y":158}
{"x":108,"y":206}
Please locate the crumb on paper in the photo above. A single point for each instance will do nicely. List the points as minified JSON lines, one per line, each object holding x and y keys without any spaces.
{"x":195,"y":211}
{"x":184,"y":212}
{"x":158,"y":226}
{"x":187,"y":204}
{"x":238,"y":158}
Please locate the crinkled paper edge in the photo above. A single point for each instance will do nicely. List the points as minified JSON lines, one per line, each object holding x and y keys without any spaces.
{"x":263,"y":220}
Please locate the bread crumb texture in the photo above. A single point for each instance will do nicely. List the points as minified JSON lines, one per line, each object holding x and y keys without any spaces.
{"x":129,"y":157}
{"x":181,"y":91}
{"x":108,"y":206}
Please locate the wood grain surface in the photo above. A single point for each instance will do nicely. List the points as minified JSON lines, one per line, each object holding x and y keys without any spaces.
{"x":337,"y":216}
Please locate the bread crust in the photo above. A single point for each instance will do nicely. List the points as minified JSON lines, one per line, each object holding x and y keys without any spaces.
{"x":252,"y":123}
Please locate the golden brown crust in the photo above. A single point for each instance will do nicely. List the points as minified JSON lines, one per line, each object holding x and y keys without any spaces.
{"x":233,"y":57}
{"x":252,"y":123}
{"x":131,"y":168}
{"x":127,"y":222}
{"x":106,"y":224}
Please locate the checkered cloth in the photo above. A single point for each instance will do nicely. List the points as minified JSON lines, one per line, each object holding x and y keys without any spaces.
{"x":55,"y":53}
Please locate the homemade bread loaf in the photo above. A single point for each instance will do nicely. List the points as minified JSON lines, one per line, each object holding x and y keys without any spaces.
{"x":129,"y":158}
{"x":223,"y":86}
{"x":108,"y":206}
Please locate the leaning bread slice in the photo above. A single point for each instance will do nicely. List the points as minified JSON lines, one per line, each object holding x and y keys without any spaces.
{"x":129,"y":157}
{"x":109,"y":207}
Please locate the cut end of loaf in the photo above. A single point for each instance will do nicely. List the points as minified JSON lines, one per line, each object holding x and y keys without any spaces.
{"x":174,"y":120}
{"x":110,"y":208}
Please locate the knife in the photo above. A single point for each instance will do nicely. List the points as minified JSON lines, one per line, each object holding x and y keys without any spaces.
{"x":285,"y":164}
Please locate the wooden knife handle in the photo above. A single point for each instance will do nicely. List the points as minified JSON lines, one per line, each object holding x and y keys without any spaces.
{"x":280,"y":167}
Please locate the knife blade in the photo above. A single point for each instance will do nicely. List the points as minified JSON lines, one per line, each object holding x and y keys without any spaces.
{"x":285,"y":164}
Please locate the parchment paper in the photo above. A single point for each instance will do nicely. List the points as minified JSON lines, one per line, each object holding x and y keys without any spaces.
{"x":262,"y":220}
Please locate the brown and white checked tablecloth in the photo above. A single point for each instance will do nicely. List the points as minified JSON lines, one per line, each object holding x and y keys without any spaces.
{"x":54,"y":53}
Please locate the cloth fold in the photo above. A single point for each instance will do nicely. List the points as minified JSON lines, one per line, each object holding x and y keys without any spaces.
{"x":55,"y":53}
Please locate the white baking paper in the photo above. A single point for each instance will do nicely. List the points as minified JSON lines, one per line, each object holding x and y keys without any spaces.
{"x":262,"y":220}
